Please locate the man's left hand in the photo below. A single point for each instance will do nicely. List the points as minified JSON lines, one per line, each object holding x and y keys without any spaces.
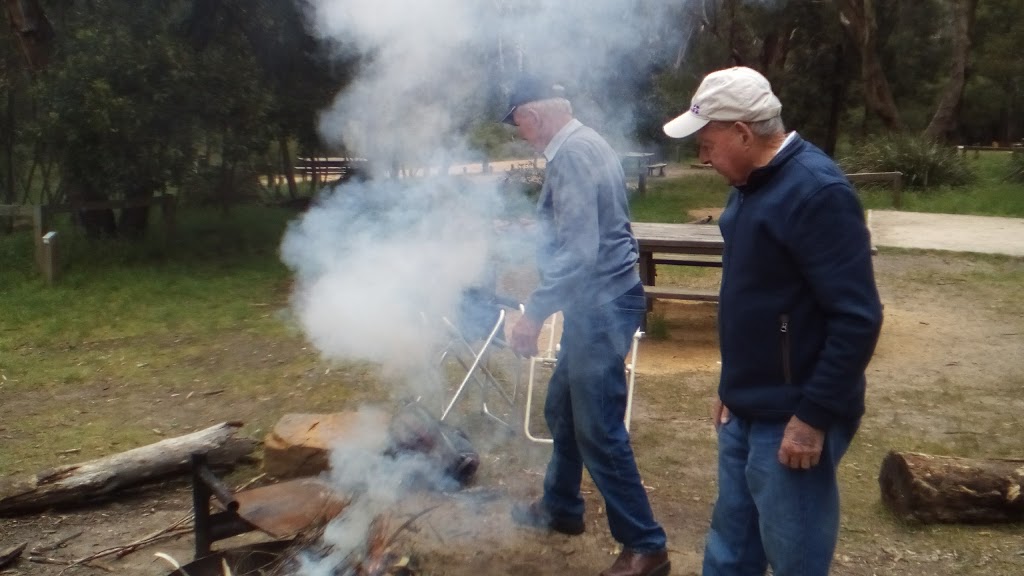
{"x":801,"y":445}
{"x":524,"y":337}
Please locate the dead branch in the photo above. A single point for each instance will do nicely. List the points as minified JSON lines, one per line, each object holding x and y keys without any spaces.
{"x":78,"y":483}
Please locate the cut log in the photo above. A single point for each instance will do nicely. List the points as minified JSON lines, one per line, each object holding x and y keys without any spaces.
{"x":85,"y":481}
{"x":944,"y":489}
{"x":9,"y":555}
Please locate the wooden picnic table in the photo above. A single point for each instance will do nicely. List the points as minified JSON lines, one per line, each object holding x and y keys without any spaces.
{"x":681,"y":245}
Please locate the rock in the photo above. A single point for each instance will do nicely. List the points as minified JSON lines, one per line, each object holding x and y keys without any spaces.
{"x":299,"y":444}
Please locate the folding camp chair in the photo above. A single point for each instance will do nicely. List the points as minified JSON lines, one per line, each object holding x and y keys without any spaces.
{"x":481,"y":320}
{"x":549,"y":357}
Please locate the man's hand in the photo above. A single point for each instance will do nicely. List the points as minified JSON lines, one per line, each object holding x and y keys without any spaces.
{"x":719,"y":413}
{"x":524,"y":337}
{"x":801,"y":445}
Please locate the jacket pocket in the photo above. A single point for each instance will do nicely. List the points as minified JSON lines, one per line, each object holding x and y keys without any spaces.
{"x":787,"y":369}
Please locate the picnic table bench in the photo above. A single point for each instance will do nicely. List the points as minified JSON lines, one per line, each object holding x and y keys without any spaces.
{"x":659,"y":168}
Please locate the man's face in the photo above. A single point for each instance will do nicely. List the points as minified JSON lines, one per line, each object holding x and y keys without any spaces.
{"x":528,"y":126}
{"x":726,"y":147}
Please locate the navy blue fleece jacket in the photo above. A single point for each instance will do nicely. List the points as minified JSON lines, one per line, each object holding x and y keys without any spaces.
{"x":799,"y":312}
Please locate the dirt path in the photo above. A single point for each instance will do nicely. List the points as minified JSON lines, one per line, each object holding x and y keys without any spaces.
{"x":956,"y":233}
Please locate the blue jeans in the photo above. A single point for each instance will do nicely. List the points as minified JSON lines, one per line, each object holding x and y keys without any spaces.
{"x":585,"y":407}
{"x":769,"y":514}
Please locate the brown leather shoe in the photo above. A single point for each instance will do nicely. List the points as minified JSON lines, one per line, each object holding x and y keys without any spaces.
{"x":535,"y":515}
{"x":632,"y":563}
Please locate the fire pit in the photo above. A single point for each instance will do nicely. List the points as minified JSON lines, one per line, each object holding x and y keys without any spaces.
{"x":263,"y":559}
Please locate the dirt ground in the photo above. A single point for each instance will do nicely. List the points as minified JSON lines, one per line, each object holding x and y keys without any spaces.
{"x":946,"y":378}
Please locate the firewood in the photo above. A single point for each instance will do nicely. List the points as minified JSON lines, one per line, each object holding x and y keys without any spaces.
{"x":945,"y":489}
{"x":85,"y":481}
{"x":8,"y":556}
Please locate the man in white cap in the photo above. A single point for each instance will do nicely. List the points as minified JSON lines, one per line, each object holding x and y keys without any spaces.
{"x":799,"y":316}
{"x":587,"y":258}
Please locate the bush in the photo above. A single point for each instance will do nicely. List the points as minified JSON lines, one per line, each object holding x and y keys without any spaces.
{"x":525,"y":179}
{"x":924,"y":163}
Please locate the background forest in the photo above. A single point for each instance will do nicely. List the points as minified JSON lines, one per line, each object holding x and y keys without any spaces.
{"x":213,"y":99}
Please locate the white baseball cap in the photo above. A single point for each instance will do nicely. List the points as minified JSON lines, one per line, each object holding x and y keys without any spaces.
{"x":737,"y":94}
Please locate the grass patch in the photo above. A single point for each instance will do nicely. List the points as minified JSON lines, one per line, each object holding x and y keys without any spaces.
{"x":670,"y":199}
{"x":991,"y":193}
{"x":145,"y":339}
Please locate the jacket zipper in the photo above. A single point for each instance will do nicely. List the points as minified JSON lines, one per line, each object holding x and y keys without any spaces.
{"x":784,"y":338}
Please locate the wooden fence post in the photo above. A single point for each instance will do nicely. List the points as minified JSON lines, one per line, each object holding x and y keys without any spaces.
{"x":49,"y":259}
{"x":40,"y":226}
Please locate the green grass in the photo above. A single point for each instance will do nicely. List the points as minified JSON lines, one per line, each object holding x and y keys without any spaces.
{"x":135,"y":335}
{"x":992,"y":193}
{"x":670,"y":199}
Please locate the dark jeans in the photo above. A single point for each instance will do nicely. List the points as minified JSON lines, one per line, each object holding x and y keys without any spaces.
{"x":768,"y":513}
{"x":585,"y":407}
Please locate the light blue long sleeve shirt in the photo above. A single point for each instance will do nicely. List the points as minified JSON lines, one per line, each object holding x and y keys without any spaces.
{"x":587,"y":255}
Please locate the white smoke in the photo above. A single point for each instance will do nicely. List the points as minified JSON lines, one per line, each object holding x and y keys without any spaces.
{"x":378,"y":263}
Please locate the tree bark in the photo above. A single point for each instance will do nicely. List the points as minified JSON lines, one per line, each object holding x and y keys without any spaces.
{"x":85,"y":481}
{"x":944,"y":489}
{"x":289,"y":167}
{"x":944,"y":120}
{"x":859,"y":22}
{"x":32,"y":29}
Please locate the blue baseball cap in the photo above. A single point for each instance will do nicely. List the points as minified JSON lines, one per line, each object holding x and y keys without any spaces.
{"x":531,"y":89}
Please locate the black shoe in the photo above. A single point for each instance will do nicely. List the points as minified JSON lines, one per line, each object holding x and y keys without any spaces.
{"x":535,"y":516}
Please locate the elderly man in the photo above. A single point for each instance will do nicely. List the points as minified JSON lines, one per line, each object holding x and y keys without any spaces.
{"x":587,"y":259}
{"x":799,"y":316}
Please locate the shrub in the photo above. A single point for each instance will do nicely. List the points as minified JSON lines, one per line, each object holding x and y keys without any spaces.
{"x":924,"y":163}
{"x":525,"y":179}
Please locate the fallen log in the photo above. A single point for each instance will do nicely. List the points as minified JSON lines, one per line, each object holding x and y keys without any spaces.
{"x":9,"y":555}
{"x":85,"y":481}
{"x":942,"y":489}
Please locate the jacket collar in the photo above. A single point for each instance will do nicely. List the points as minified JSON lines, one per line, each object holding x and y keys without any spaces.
{"x":761,"y":176}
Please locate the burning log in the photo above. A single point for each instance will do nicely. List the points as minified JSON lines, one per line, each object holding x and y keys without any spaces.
{"x":945,"y":489}
{"x":78,"y":483}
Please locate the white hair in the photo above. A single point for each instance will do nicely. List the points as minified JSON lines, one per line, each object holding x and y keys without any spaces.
{"x":769,"y":127}
{"x":549,"y":106}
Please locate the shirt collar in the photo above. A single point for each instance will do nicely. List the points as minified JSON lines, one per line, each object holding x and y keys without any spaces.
{"x":560,"y":137}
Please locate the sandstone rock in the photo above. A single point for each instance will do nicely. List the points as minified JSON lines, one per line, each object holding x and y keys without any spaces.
{"x":299,"y":444}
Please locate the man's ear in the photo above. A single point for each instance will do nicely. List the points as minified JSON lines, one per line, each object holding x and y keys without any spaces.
{"x":746,"y":134}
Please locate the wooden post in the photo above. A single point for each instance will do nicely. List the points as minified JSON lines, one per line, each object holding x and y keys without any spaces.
{"x":40,"y":226}
{"x":49,"y":261}
{"x":897,"y":190}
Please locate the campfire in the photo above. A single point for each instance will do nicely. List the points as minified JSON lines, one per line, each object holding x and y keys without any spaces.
{"x":334,"y":530}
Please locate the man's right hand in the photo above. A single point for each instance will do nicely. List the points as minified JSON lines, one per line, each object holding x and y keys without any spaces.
{"x":719,"y":413}
{"x":523,"y":339}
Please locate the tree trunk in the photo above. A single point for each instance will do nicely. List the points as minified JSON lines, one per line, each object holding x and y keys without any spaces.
{"x":944,"y":120}
{"x":859,"y":22}
{"x":289,"y":167}
{"x":836,"y":107}
{"x":945,"y":489}
{"x":79,"y":483}
{"x":135,"y":219}
{"x":97,"y":223}
{"x":32,"y":29}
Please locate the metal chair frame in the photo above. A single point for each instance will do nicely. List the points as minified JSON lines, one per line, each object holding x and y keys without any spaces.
{"x":549,"y":357}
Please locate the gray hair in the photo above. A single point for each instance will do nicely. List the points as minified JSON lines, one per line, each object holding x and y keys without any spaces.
{"x":769,"y":127}
{"x":549,"y":106}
